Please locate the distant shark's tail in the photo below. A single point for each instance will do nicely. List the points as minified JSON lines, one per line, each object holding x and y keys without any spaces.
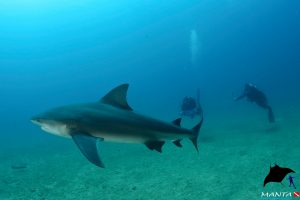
{"x":196,"y":130}
{"x":271,"y":115}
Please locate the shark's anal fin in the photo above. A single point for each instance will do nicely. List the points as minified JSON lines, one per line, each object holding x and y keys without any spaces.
{"x":155,"y":145}
{"x":177,"y":122}
{"x":177,"y":143}
{"x":117,"y":97}
{"x":88,"y":147}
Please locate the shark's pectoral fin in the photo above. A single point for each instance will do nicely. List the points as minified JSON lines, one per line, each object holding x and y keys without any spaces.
{"x":155,"y":145}
{"x":88,"y":147}
{"x":177,"y":143}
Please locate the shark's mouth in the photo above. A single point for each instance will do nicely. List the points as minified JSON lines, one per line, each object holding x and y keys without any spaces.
{"x":36,"y":122}
{"x":48,"y":129}
{"x":53,"y":127}
{"x":57,"y":129}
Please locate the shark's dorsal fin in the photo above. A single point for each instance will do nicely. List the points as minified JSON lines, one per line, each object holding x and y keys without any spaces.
{"x":117,"y":97}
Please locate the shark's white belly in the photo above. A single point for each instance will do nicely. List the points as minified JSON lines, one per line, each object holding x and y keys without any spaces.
{"x":126,"y":138}
{"x":120,"y":138}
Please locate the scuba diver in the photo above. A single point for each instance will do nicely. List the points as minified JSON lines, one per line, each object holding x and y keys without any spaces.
{"x":190,"y":106}
{"x":291,"y":180}
{"x":254,"y":95}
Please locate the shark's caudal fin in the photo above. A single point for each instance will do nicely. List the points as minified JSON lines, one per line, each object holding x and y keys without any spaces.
{"x":196,"y":130}
{"x":117,"y":97}
{"x":88,"y":147}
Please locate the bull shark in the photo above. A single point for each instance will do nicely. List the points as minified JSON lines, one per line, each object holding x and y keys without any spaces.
{"x":112,"y":120}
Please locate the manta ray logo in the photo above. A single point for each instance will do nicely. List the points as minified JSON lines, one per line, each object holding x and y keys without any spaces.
{"x":276,"y":175}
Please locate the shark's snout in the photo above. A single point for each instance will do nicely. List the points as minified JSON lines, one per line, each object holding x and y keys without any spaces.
{"x":36,"y":120}
{"x":39,"y":120}
{"x":55,"y":127}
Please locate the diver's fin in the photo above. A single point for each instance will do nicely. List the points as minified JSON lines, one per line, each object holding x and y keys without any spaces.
{"x":117,"y":97}
{"x":177,"y":122}
{"x":88,"y":147}
{"x":177,"y":143}
{"x":196,"y":130}
{"x":271,"y":115}
{"x":155,"y":145}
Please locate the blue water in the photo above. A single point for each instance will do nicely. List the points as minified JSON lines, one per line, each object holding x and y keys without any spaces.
{"x":54,"y":53}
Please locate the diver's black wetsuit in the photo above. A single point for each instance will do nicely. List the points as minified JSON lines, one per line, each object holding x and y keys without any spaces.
{"x":257,"y":96}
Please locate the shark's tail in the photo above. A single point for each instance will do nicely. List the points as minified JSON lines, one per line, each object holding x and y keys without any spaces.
{"x":196,"y":130}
